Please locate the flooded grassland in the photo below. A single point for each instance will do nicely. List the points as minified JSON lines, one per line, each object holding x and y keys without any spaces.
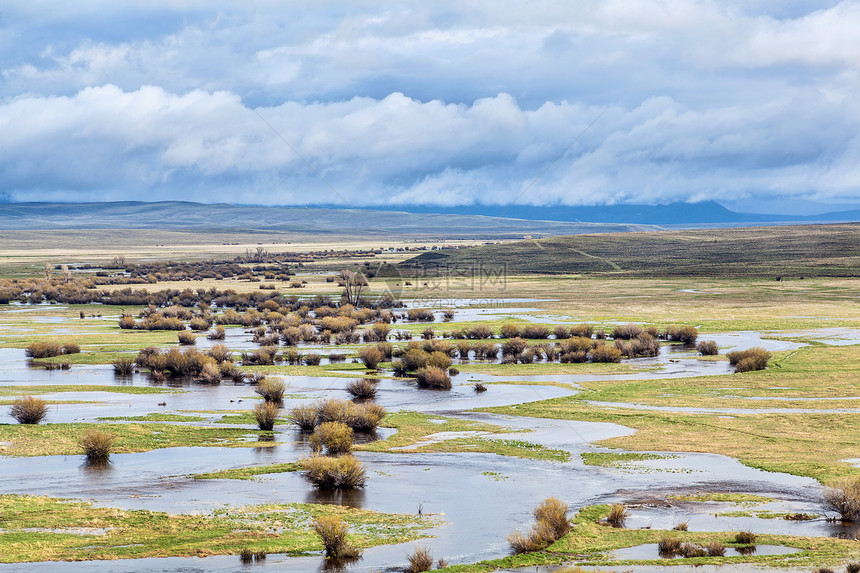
{"x":676,"y":437}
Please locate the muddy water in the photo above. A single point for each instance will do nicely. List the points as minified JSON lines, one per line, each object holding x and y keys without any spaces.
{"x":465,"y":489}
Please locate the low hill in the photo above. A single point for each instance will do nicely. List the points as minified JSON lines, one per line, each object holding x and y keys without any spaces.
{"x":225,"y":217}
{"x":790,"y":251}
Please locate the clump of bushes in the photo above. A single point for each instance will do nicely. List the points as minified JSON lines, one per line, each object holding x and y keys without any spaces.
{"x":755,"y":358}
{"x":668,"y":546}
{"x":605,"y":353}
{"x":642,"y":345}
{"x":305,"y":417}
{"x":708,"y":348}
{"x":312,"y":359}
{"x":843,"y":497}
{"x":332,"y":530}
{"x":187,"y":338}
{"x":362,"y":389}
{"x":370,"y":356}
{"x":617,"y":515}
{"x":360,"y":417}
{"x":266,"y":414}
{"x":334,"y":437}
{"x":745,"y":537}
{"x":218,"y":333}
{"x":123,"y":366}
{"x":49,"y":349}
{"x":270,"y":389}
{"x":627,"y":331}
{"x":29,"y":410}
{"x":331,"y":473}
{"x":419,"y":560}
{"x":685,"y":334}
{"x":715,"y":549}
{"x":551,"y":524}
{"x":97,"y":445}
{"x":433,"y":377}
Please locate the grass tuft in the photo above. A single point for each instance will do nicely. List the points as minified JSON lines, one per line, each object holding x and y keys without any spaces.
{"x":29,"y":410}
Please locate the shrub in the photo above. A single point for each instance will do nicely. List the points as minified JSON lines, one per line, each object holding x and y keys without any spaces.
{"x":420,"y":560}
{"x":692,"y":550}
{"x":220,"y":353}
{"x":479,"y":331}
{"x":365,"y":417}
{"x":305,"y":417}
{"x":708,"y":348}
{"x":336,"y":357}
{"x":412,"y":360}
{"x":514,"y":346}
{"x":433,"y":377}
{"x":312,"y":359}
{"x":617,"y":515}
{"x":126,"y":322}
{"x":123,"y":366}
{"x":553,"y":511}
{"x":199,"y":324}
{"x":535,"y":331}
{"x":510,"y":331}
{"x":604,"y":353}
{"x":187,"y":338}
{"x":626,"y":331}
{"x":71,"y":348}
{"x":332,"y":530}
{"x":97,"y":446}
{"x":463,"y":348}
{"x":362,"y":389}
{"x":681,"y":526}
{"x":668,"y":546}
{"x":754,"y":358}
{"x":370,"y":356}
{"x":270,"y":389}
{"x":218,"y":333}
{"x":644,"y":345}
{"x":29,"y":410}
{"x":43,"y":349}
{"x":334,"y":437}
{"x":843,"y":497}
{"x":715,"y":549}
{"x":210,"y":373}
{"x":745,"y":537}
{"x":852,"y":567}
{"x":419,"y":314}
{"x":386,"y":349}
{"x":574,"y":357}
{"x":330,"y":473}
{"x":551,"y":524}
{"x":246,"y":555}
{"x":439,"y":360}
{"x":479,"y":387}
{"x":265,"y":414}
{"x":685,"y":334}
{"x":561,"y":332}
{"x":582,"y":330}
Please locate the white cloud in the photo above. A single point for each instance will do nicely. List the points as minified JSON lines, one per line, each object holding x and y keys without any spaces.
{"x":441,"y":102}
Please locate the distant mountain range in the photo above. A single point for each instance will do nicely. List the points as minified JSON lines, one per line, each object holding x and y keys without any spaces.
{"x":672,"y":215}
{"x":179,"y":215}
{"x":475,"y":221}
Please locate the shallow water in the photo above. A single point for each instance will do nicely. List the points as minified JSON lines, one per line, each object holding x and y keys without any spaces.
{"x":464,"y":488}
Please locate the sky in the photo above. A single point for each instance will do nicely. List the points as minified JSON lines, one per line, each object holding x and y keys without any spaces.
{"x":754,"y":104}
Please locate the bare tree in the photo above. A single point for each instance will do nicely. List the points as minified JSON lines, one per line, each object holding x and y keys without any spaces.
{"x":353,"y":283}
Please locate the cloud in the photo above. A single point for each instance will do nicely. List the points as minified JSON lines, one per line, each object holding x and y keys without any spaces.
{"x":442,"y":103}
{"x":209,"y":145}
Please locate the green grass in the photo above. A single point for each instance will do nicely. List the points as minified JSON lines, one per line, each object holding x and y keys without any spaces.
{"x":62,"y":439}
{"x":153,"y":417}
{"x":723,"y":497}
{"x":618,"y":460}
{"x":36,"y":529}
{"x":60,"y":388}
{"x":251,"y":472}
{"x":414,"y":428}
